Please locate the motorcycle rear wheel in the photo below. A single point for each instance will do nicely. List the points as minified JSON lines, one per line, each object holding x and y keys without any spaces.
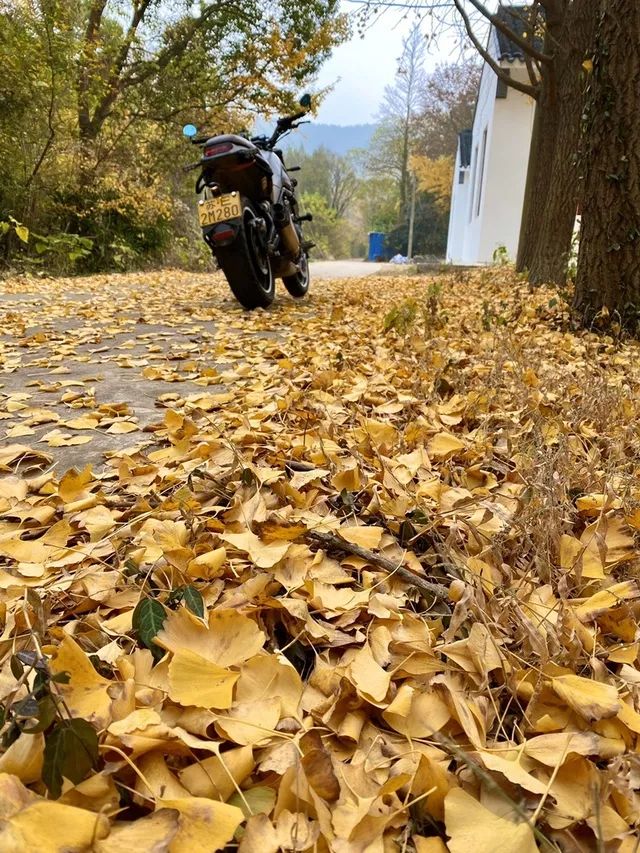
{"x":298,"y":284}
{"x":246,"y":264}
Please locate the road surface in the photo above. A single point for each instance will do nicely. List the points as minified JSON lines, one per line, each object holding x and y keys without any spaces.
{"x":111,"y":346}
{"x":348,"y":269}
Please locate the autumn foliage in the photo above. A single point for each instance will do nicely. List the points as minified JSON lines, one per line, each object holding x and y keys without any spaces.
{"x":371,"y":587}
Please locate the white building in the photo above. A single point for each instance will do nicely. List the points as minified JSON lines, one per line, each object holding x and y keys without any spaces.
{"x":491,"y":163}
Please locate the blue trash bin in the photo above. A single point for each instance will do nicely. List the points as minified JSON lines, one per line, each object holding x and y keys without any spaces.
{"x":376,"y":246}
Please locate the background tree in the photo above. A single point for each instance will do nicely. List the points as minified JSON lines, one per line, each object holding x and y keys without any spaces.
{"x":446,"y":106}
{"x":393,"y":140}
{"x":330,"y":185}
{"x":608,"y":275}
{"x":333,"y":176}
{"x":435,"y":176}
{"x":101,"y":90}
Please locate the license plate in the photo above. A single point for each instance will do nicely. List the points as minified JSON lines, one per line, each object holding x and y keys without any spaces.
{"x":219,"y":209}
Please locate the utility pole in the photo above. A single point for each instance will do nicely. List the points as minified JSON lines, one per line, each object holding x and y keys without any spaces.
{"x":412,"y":216}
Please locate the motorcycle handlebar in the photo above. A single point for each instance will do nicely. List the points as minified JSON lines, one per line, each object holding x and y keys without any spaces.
{"x":287,"y":120}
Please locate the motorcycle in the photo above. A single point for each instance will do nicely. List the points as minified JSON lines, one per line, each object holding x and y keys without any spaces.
{"x":249,"y":212}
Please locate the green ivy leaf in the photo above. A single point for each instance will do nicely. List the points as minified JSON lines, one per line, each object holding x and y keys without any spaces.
{"x":148,"y":618}
{"x":70,"y":752}
{"x":17,"y":667}
{"x":47,"y":713}
{"x":193,"y":600}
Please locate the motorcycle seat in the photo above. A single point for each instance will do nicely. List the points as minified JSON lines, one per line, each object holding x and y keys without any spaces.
{"x":233,"y":138}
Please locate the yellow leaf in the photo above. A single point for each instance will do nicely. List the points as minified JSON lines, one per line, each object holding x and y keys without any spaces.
{"x":250,"y":722}
{"x":591,"y":699}
{"x":629,"y":717}
{"x":429,"y":845}
{"x":381,"y":433}
{"x":219,"y":776}
{"x":83,"y":422}
{"x":512,"y":766}
{"x":368,"y":677}
{"x":416,"y":713}
{"x":24,"y":758}
{"x":151,"y":834}
{"x":264,"y":555}
{"x":605,"y":599}
{"x":471,"y":826}
{"x":228,"y":640}
{"x":364,"y":536}
{"x":207,"y":565}
{"x":57,"y":438}
{"x":97,"y":520}
{"x":570,"y":551}
{"x":22,"y":232}
{"x":259,"y":836}
{"x":444,"y":445}
{"x":193,"y":680}
{"x":204,"y":825}
{"x":86,"y":693}
{"x":551,"y":749}
{"x":266,"y":676}
{"x":33,"y":824}
{"x":588,"y":65}
{"x":122,"y":427}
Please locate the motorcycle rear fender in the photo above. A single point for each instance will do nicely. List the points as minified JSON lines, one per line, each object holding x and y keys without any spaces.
{"x":222,"y":233}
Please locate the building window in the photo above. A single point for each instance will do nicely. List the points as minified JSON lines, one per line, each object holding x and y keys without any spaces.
{"x":481,"y":173}
{"x":461,"y":176}
{"x":473,"y":185}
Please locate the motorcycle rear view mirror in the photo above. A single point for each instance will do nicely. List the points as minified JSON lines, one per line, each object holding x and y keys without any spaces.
{"x":305,"y":101}
{"x":189,"y":130}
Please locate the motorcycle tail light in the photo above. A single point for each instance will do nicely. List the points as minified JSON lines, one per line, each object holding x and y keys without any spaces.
{"x":221,"y":148}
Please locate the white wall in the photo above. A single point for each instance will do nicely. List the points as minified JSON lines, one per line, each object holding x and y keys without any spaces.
{"x":459,"y":207}
{"x":483,"y":120}
{"x":486,"y":210}
{"x":505,"y":175}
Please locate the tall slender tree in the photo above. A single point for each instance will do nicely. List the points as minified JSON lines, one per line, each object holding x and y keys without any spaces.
{"x":399,"y":111}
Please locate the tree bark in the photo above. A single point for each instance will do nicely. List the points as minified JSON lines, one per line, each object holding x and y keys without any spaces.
{"x":608,"y":279}
{"x":549,"y":256}
{"x":546,"y":124}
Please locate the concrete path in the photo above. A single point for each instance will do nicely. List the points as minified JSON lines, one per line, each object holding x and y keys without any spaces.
{"x":117,"y":346}
{"x":348,"y":269}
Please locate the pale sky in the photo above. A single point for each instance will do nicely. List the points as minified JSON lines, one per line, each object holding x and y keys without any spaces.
{"x":362,"y":67}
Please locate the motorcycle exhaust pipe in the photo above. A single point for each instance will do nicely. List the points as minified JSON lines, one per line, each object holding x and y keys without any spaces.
{"x":286,"y":229}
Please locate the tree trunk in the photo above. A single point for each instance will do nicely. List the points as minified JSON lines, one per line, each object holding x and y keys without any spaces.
{"x":550,"y":255}
{"x":546,"y":124}
{"x":608,"y":280}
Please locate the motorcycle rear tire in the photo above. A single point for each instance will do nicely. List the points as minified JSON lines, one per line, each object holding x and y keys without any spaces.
{"x":298,"y":284}
{"x":247,"y":268}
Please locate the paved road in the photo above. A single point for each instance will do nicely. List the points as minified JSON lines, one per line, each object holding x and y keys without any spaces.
{"x":348,"y":269}
{"x":119,"y":342}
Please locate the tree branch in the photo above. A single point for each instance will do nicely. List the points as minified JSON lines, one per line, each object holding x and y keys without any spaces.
{"x":428,"y":588}
{"x":94,"y":20}
{"x":491,"y":62}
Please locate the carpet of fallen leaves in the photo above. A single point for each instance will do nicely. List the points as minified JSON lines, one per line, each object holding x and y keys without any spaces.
{"x":187,"y":666}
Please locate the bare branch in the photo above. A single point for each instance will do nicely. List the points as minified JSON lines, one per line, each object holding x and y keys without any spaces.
{"x":525,"y":45}
{"x":500,"y":72}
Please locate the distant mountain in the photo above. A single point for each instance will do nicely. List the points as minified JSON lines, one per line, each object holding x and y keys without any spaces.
{"x":336,"y":137}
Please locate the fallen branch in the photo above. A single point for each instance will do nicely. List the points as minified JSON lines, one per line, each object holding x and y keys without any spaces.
{"x":329,"y":540}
